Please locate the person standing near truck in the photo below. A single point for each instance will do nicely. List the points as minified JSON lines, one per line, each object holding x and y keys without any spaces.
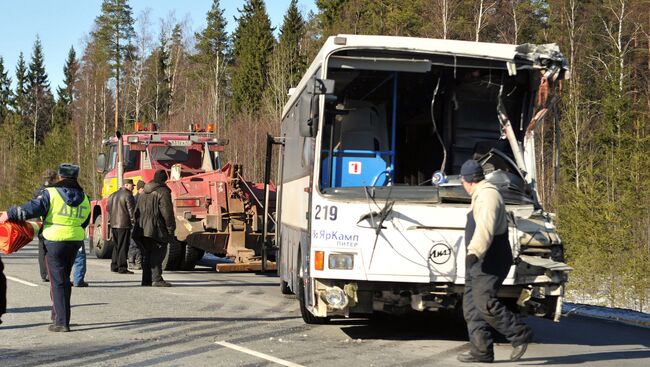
{"x":155,"y":226}
{"x":135,"y":253}
{"x":49,"y":177}
{"x":66,"y":211}
{"x":121,"y":208}
{"x":488,"y":260}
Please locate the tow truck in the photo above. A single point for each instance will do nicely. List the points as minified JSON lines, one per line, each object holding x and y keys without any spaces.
{"x":216,"y":209}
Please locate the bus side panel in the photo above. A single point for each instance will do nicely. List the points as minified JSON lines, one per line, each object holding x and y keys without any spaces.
{"x":293,"y":204}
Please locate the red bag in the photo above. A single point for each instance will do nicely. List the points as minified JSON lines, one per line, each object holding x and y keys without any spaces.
{"x":15,"y":235}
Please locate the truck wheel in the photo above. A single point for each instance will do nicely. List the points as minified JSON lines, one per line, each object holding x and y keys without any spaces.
{"x":192,"y":256}
{"x":173,"y":256}
{"x":307,"y":316}
{"x":103,"y":249}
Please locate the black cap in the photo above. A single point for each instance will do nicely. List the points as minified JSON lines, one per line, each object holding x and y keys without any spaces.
{"x":140,"y":185}
{"x":472,"y":171}
{"x":128,"y":181}
{"x":160,"y":176}
{"x":67,"y":170}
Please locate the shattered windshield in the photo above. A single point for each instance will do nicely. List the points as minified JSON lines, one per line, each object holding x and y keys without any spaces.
{"x":403,"y":122}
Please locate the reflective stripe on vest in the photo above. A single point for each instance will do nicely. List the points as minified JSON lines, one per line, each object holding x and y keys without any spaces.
{"x":63,"y":222}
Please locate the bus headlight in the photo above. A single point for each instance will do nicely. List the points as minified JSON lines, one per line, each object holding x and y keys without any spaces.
{"x":341,"y":261}
{"x":335,"y":297}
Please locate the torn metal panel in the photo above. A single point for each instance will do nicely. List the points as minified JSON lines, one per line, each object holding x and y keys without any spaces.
{"x":545,"y":263}
{"x":536,"y":231}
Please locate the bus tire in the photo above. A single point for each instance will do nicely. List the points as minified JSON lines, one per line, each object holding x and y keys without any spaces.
{"x":307,"y":316}
{"x":103,"y":249}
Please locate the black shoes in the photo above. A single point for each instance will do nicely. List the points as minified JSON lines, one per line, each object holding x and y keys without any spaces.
{"x":81,"y":285}
{"x":161,"y":283}
{"x":518,"y":351}
{"x":58,"y":328}
{"x":44,"y":280}
{"x":468,"y":357}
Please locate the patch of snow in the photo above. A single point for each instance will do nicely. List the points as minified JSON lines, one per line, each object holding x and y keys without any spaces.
{"x":616,"y":314}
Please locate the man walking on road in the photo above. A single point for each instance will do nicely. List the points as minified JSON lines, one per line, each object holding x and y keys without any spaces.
{"x":79,"y":267}
{"x":135,"y":253}
{"x":66,"y":211}
{"x":157,"y":226}
{"x":121,"y":208}
{"x":488,"y":261}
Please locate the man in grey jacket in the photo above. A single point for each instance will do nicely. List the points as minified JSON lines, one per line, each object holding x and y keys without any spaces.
{"x":121,"y":207}
{"x":487,"y":264}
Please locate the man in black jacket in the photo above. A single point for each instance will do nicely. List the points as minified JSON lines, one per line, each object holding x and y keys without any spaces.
{"x":156,"y":225}
{"x":49,"y":178}
{"x":121,"y":207}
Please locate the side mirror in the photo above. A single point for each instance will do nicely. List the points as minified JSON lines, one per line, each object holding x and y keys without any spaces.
{"x":100,"y":163}
{"x":308,"y":106}
{"x":323,"y":86}
{"x":307,"y":115}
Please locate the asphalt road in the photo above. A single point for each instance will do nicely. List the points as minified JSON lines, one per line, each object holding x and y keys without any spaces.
{"x":213,"y":319}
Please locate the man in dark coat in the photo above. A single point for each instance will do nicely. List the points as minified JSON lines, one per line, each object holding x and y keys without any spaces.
{"x":135,"y":253}
{"x":489,"y":258}
{"x":157,"y":226}
{"x":66,"y":209}
{"x":49,"y":177}
{"x":121,"y":207}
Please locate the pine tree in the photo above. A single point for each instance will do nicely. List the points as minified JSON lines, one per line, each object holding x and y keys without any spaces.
{"x":67,"y":94}
{"x":160,"y":86}
{"x":291,"y":35}
{"x":114,"y":35}
{"x":330,"y":14}
{"x":212,"y":56}
{"x":287,"y":61}
{"x":5,"y":92}
{"x":253,"y":43}
{"x":38,"y":95}
{"x":21,"y":86}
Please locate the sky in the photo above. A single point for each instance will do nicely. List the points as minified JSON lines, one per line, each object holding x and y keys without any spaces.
{"x":64,"y":23}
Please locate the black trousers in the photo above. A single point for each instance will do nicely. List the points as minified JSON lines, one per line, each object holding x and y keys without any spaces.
{"x":153,"y":253}
{"x":41,"y":257}
{"x":122,"y":238}
{"x":59,"y":259}
{"x":483,"y":311}
{"x":3,"y":290}
{"x":135,"y":253}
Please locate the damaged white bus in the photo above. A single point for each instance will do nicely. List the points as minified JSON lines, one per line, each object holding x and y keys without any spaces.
{"x":371,"y":212}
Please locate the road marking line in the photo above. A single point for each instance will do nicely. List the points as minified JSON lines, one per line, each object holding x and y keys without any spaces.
{"x":22,"y":281}
{"x":258,"y":354}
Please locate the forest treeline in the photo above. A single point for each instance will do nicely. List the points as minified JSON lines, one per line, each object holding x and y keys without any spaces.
{"x":598,"y":184}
